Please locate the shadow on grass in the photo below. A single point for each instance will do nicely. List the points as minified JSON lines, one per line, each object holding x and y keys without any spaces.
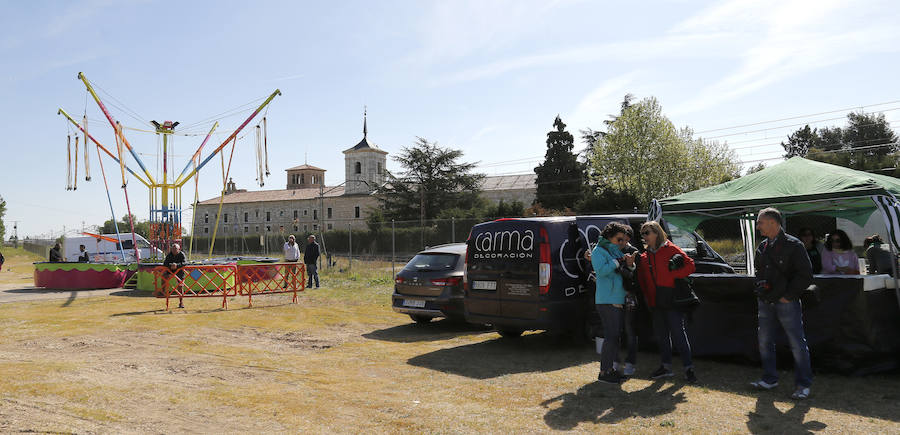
{"x":432,"y":331}
{"x":766,"y":418}
{"x":36,"y":290}
{"x":609,"y":404}
{"x":493,"y":358}
{"x":133,"y":293}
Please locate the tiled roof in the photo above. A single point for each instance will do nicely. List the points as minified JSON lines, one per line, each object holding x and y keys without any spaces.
{"x":275,"y":195}
{"x":509,"y":182}
{"x":304,"y":166}
{"x":500,"y":182}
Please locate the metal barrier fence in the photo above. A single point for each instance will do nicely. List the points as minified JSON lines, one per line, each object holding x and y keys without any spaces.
{"x":271,"y":278}
{"x":228,"y":280}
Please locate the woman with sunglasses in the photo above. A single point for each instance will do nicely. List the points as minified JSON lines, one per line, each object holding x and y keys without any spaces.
{"x":813,"y":247}
{"x":838,"y":257}
{"x":660,"y":265}
{"x":607,"y":259}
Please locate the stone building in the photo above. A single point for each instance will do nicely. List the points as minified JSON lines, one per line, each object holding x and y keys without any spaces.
{"x":307,"y":205}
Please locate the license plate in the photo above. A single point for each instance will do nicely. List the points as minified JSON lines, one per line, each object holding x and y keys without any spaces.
{"x":484,"y":285}
{"x":415,"y":303}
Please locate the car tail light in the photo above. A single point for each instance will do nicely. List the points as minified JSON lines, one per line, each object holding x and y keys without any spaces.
{"x":544,"y":266}
{"x":465,"y":278}
{"x":446,"y":281}
{"x":398,"y":280}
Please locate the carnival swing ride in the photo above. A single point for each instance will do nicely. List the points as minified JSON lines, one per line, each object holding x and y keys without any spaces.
{"x":164,"y":189}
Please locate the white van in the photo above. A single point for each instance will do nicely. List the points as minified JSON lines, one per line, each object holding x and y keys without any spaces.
{"x":105,"y":250}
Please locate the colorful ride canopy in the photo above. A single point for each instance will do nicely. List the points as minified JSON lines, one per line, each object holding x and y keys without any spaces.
{"x":796,"y":186}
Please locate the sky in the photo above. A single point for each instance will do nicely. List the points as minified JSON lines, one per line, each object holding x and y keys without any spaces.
{"x":487,"y":77}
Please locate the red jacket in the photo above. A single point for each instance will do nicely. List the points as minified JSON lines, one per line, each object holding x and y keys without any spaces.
{"x":661,"y":276}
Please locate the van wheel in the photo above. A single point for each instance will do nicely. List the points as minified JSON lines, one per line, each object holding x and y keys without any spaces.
{"x":420,"y":318}
{"x":510,"y":333}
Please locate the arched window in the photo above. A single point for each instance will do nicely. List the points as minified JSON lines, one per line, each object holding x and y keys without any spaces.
{"x":358,"y":168}
{"x":302,"y":178}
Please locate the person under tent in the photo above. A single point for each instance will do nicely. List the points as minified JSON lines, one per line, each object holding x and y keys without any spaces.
{"x":878,"y":259}
{"x":838,"y":257}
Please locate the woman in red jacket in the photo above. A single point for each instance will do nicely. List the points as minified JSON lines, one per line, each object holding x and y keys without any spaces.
{"x":661,"y":264}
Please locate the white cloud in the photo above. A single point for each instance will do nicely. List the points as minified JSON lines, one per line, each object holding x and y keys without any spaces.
{"x":598,"y":104}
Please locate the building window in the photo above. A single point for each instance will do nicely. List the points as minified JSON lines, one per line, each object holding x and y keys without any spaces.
{"x":379,"y":167}
{"x":205,"y":218}
{"x":329,"y":212}
{"x":305,"y":212}
{"x":257,"y":229}
{"x":268,"y":216}
{"x":315,"y":227}
{"x":312,"y":179}
{"x":302,"y":179}
{"x":246,"y":229}
{"x":358,"y":169}
{"x":246,"y":216}
{"x":329,"y":226}
{"x":268,"y":229}
{"x":305,"y":228}
{"x":296,"y":227}
{"x":315,"y":214}
{"x":226,"y":218}
{"x":356,"y":211}
{"x":205,"y":230}
{"x":280,"y":212}
{"x":257,"y":214}
{"x":295,"y":214}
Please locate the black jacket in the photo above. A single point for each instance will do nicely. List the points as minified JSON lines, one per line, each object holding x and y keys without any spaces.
{"x":311,"y":253}
{"x":55,"y":256}
{"x":629,"y":277}
{"x":785,"y":266}
{"x":84,"y":257}
{"x":177,"y":259}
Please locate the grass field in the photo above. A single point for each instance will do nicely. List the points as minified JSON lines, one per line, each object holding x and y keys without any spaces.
{"x":341,"y":361}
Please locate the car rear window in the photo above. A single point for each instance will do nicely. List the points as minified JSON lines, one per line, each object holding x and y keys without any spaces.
{"x":432,"y":262}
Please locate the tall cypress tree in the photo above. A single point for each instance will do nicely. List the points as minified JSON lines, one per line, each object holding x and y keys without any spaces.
{"x":561,"y":178}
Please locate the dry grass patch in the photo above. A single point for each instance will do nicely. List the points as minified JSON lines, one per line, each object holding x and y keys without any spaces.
{"x":341,"y":361}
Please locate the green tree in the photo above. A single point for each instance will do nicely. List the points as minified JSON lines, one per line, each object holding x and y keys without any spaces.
{"x":867,"y":143}
{"x":561,"y":177}
{"x":756,"y":168}
{"x":800,"y":142}
{"x":140,"y":227}
{"x":432,"y":180}
{"x":2,"y":213}
{"x":644,"y":155}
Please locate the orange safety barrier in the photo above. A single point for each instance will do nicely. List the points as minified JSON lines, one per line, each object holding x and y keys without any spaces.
{"x":271,"y":278}
{"x":220,"y":280}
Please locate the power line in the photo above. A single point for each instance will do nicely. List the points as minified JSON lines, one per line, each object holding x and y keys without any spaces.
{"x":796,"y":117}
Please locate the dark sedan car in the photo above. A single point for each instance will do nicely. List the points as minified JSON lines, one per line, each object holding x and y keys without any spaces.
{"x":430,"y":285}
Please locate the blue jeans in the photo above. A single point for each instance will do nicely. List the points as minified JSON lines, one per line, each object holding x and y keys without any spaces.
{"x":668,"y":326}
{"x":631,"y":337}
{"x":790,"y":317}
{"x":612,"y":329}
{"x":313,"y":273}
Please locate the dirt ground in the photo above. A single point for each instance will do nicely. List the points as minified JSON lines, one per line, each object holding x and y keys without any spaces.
{"x":340,"y":361}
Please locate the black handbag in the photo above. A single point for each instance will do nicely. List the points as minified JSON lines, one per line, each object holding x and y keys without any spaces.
{"x":683,"y":297}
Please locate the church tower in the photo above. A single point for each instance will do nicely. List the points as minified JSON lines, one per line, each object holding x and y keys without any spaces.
{"x":364,"y":165}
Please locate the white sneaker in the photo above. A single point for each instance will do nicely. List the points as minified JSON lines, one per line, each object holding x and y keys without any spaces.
{"x":800,"y":393}
{"x":629,"y":369}
{"x":763,"y":385}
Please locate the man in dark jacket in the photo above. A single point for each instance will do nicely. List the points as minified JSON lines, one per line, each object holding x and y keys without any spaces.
{"x":175,"y":261}
{"x":310,"y":257}
{"x":783,"y":273}
{"x":83,"y":256}
{"x":55,"y":255}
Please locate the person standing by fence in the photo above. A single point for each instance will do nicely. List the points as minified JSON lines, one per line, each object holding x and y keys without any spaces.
{"x":783,"y":273}
{"x":175,"y":262}
{"x":310,"y":257}
{"x":291,"y":254}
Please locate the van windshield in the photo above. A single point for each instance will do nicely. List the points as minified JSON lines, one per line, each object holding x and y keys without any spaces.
{"x":432,"y":262}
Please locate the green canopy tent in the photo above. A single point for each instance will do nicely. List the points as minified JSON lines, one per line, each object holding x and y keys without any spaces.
{"x":796,"y":186}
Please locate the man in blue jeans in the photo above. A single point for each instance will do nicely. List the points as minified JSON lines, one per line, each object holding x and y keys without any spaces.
{"x":783,"y":273}
{"x":310,"y":257}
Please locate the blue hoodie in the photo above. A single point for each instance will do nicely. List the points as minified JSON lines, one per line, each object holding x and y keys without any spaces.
{"x":609,"y":283}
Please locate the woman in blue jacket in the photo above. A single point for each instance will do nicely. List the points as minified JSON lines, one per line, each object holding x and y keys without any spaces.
{"x":607,"y":259}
